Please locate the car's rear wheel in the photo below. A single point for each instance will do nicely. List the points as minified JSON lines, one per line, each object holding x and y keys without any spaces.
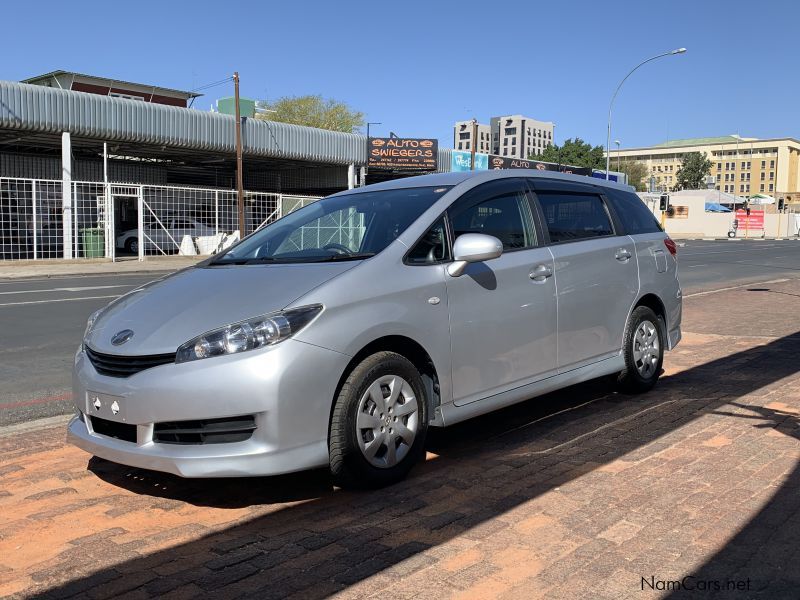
{"x":643,"y":350}
{"x":132,"y":245}
{"x":379,"y":422}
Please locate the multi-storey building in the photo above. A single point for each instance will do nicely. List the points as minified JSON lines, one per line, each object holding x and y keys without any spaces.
{"x":740,"y":166}
{"x":462,"y":137}
{"x":517,"y":136}
{"x":514,"y":136}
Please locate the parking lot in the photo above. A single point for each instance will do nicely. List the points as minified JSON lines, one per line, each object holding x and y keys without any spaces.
{"x":691,"y":486}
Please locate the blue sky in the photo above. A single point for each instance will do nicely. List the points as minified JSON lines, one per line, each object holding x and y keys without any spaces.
{"x":419,"y":66}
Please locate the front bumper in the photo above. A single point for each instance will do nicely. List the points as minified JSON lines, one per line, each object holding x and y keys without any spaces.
{"x":288,"y":388}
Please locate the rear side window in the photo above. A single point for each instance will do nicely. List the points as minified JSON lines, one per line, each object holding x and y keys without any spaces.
{"x":570,"y":217}
{"x":632,"y":212}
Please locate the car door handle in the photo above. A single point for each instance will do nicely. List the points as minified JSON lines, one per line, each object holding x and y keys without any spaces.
{"x":540,"y":273}
{"x":622,"y":255}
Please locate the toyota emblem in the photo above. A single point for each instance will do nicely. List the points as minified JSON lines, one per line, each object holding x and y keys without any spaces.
{"x":121,"y":337}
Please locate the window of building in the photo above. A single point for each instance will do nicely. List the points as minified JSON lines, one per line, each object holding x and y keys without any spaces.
{"x":771,"y":187}
{"x":505,"y":141}
{"x":505,"y":151}
{"x":771,"y":175}
{"x":743,"y":164}
{"x":748,"y":164}
{"x":772,"y":164}
{"x":463,"y":136}
{"x":719,"y":176}
{"x":741,"y":188}
{"x":747,"y":187}
{"x":719,"y":166}
{"x":466,"y":145}
{"x":761,"y":188}
{"x":763,"y":175}
{"x":511,"y":131}
{"x":459,"y":146}
{"x":763,"y":164}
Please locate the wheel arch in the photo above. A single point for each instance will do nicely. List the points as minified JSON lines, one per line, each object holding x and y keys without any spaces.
{"x":410,"y":349}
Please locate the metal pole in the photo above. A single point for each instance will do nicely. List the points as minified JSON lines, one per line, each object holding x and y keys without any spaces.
{"x":66,"y":194}
{"x":239,"y":176}
{"x":366,"y":166}
{"x":611,"y":104}
{"x":35,"y":220}
{"x":216,"y":212}
{"x":140,"y":223}
{"x":472,"y":146}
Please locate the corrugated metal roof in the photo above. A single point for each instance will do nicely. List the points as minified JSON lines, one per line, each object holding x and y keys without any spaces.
{"x":109,"y":81}
{"x":42,"y":109}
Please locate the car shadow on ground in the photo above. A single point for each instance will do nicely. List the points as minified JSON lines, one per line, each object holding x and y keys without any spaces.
{"x":484,"y":468}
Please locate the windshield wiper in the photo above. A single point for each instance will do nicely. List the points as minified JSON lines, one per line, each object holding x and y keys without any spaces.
{"x":336,"y":257}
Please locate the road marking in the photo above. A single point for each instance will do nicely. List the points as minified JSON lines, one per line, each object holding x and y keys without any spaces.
{"x":695,"y":266}
{"x":46,"y":399}
{"x":66,"y":289}
{"x":58,"y":300}
{"x":735,"y":287}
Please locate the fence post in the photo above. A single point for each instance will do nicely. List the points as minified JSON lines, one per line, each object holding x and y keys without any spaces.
{"x":35,"y":221}
{"x":216,"y":212}
{"x":66,"y":193}
{"x":140,"y":219}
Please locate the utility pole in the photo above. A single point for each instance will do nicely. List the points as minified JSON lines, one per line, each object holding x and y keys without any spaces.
{"x":239,"y":176}
{"x":472,"y":146}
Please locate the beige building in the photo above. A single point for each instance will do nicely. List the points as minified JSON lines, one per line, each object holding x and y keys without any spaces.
{"x":741,"y":166}
{"x":462,"y":137}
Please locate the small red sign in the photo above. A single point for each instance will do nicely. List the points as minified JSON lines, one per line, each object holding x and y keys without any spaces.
{"x":755,"y":220}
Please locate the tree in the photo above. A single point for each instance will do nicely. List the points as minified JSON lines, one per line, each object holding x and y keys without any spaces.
{"x":312,"y":111}
{"x":636,"y":172}
{"x":695,"y":167}
{"x":574,"y":152}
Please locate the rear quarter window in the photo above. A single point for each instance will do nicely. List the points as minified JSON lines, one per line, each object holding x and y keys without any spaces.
{"x":634,"y":215}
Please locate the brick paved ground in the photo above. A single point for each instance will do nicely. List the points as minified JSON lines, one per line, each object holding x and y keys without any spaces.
{"x":579,"y":494}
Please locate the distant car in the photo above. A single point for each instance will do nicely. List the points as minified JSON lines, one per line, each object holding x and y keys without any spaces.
{"x":167,"y":238}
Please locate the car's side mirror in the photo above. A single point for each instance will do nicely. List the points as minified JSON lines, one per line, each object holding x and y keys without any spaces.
{"x":471,"y":248}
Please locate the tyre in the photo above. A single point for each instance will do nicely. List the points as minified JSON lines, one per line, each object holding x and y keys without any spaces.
{"x":379,"y":422}
{"x":132,"y":245}
{"x":643,"y":350}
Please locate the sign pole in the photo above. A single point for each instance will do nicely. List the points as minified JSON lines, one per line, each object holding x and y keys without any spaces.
{"x":472,"y":146}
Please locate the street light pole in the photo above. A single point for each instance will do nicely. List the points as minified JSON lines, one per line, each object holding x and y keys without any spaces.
{"x":617,"y":142}
{"x":366,"y":166}
{"x":611,"y":104}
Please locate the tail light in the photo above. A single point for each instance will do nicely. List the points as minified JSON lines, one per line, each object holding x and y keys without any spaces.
{"x":673,"y":249}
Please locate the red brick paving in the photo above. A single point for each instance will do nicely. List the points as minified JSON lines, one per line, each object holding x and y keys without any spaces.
{"x":698,"y":477}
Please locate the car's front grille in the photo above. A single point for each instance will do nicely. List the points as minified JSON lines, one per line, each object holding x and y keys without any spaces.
{"x":120,"y":431}
{"x":206,"y":431}
{"x":115,"y":365}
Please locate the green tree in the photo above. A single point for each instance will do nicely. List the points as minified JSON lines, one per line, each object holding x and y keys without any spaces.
{"x":574,"y":152}
{"x":636,"y":172}
{"x":312,"y":111}
{"x":695,"y":167}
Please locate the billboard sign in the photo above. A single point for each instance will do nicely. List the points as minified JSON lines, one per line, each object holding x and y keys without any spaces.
{"x":461,"y":161}
{"x":504,"y":162}
{"x":403,"y":153}
{"x":753,"y":221}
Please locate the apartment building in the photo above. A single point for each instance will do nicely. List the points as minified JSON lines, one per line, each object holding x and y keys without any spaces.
{"x":462,"y":137}
{"x":512,"y":136}
{"x":741,"y":166}
{"x":517,"y":136}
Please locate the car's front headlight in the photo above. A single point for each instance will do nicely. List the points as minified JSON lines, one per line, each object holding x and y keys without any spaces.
{"x":251,"y":334}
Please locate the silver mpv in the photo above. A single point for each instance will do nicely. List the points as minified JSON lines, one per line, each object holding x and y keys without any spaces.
{"x":338,"y":334}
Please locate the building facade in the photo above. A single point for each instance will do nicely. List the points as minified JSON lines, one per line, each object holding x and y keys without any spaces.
{"x":512,"y":136}
{"x":462,"y":137}
{"x":517,"y":136}
{"x":740,"y":166}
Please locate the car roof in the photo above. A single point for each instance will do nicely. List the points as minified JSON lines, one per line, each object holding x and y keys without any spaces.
{"x":453,"y":179}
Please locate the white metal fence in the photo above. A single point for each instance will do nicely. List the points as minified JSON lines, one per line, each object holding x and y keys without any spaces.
{"x":117,"y":219}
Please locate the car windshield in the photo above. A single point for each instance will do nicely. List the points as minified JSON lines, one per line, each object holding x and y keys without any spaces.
{"x":346,"y":227}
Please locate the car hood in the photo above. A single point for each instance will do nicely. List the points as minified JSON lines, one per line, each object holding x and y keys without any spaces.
{"x":169,"y":312}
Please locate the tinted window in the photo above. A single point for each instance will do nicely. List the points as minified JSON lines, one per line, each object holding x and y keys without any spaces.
{"x":635,"y":216}
{"x":499,"y":209}
{"x":432,"y":247}
{"x":570,"y":217}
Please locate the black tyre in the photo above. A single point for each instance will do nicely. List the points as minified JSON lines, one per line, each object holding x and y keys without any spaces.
{"x":379,"y":422}
{"x":132,"y":245}
{"x":643,"y":350}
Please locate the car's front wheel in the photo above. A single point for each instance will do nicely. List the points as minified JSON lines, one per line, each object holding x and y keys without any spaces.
{"x":643,"y":350}
{"x":379,"y":422}
{"x":132,"y":245}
